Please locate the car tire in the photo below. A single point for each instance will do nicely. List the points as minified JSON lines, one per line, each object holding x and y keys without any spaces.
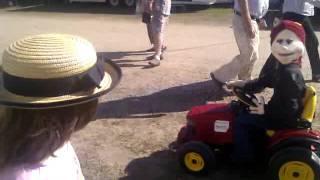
{"x":276,"y":21}
{"x":273,"y":18}
{"x":294,"y":163}
{"x":196,"y":158}
{"x":129,"y":3}
{"x":114,"y":3}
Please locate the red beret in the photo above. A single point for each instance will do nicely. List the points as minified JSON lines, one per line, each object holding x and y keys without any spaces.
{"x":295,"y":27}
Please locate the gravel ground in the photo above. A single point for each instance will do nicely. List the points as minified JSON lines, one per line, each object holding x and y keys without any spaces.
{"x":142,"y":116}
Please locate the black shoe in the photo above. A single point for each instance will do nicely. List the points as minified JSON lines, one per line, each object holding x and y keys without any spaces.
{"x":316,"y":78}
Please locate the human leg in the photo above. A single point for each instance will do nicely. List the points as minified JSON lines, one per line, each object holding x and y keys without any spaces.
{"x":159,"y":37}
{"x":241,"y":64}
{"x":244,"y":125}
{"x":312,"y":45}
{"x":150,"y":34}
{"x":249,"y":52}
{"x":158,"y":22}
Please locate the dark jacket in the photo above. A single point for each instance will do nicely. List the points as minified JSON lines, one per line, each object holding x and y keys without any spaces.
{"x":285,"y":107}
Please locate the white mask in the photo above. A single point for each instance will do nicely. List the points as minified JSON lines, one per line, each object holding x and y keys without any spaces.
{"x":287,"y":47}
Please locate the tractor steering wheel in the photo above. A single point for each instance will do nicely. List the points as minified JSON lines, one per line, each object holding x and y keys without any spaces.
{"x":245,"y":97}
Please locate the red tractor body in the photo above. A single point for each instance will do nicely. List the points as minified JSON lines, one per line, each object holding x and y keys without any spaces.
{"x":213,"y":124}
{"x":210,"y":123}
{"x":209,"y":128}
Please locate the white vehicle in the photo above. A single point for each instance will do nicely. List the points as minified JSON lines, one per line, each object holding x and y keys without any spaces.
{"x":193,"y":2}
{"x":131,"y":3}
{"x":224,"y":1}
{"x":113,"y":3}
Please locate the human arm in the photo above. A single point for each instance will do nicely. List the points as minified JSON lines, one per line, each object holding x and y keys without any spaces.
{"x":245,"y":14}
{"x":149,"y":6}
{"x":252,"y":86}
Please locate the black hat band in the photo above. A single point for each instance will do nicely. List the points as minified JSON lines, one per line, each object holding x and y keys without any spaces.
{"x":57,"y":86}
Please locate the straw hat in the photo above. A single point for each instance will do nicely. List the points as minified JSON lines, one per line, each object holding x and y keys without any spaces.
{"x":53,"y":70}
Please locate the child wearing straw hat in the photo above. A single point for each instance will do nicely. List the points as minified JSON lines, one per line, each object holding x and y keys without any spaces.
{"x":49,"y":85}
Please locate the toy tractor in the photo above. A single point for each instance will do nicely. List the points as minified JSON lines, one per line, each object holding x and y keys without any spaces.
{"x":291,"y":154}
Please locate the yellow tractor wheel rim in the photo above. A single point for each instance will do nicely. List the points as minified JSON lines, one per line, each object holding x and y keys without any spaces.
{"x":296,"y":170}
{"x":194,"y":161}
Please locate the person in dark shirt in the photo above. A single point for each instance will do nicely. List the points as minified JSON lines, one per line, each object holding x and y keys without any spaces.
{"x":301,"y":11}
{"x":285,"y":107}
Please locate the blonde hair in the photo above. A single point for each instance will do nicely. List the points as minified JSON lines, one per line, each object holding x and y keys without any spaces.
{"x":28,"y":136}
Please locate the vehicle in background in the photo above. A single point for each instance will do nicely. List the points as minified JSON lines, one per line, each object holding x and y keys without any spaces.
{"x":113,"y":3}
{"x":132,"y":3}
{"x":193,"y":2}
{"x":224,"y":1}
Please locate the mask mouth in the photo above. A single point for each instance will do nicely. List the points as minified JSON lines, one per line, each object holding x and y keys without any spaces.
{"x":286,"y":54}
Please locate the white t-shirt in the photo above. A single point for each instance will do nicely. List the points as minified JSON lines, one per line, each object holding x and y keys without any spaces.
{"x":257,"y":8}
{"x":64,"y":166}
{"x":299,"y":7}
{"x":314,"y":2}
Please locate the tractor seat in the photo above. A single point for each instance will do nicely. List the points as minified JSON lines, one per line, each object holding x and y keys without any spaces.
{"x":309,"y":109}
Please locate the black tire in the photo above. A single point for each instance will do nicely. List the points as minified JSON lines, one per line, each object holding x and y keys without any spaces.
{"x":276,"y":21}
{"x":273,"y":18}
{"x":129,"y":3}
{"x":114,"y":3}
{"x":202,"y":152}
{"x":294,"y":163}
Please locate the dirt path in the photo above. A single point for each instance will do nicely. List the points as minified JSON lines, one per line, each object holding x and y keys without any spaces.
{"x":138,"y":120}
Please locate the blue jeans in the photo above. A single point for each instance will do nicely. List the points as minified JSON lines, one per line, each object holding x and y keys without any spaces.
{"x":247,"y":127}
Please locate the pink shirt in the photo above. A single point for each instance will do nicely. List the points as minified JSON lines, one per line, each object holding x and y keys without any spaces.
{"x":64,"y":166}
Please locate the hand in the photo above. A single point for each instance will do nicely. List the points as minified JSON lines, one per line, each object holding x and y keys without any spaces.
{"x":249,"y":28}
{"x":263,"y":24}
{"x":260,"y":106}
{"x":235,"y":83}
{"x":251,"y":32}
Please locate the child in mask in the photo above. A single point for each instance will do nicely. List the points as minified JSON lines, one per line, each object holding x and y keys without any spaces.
{"x":285,"y":107}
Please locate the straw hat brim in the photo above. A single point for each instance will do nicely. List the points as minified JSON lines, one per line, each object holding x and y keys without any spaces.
{"x":111,"y":79}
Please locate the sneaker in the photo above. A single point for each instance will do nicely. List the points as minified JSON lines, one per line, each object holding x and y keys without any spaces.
{"x":155,"y":62}
{"x":164,"y":48}
{"x":152,"y":57}
{"x":152,"y":49}
{"x":221,"y":85}
{"x":316,"y":78}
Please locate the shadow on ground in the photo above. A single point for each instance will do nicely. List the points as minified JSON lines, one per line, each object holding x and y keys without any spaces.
{"x":174,"y":99}
{"x":159,"y":165}
{"x":120,"y":58}
{"x":164,"y":165}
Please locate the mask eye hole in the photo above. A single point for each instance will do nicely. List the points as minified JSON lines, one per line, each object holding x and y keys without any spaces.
{"x":280,"y":41}
{"x":289,"y":41}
